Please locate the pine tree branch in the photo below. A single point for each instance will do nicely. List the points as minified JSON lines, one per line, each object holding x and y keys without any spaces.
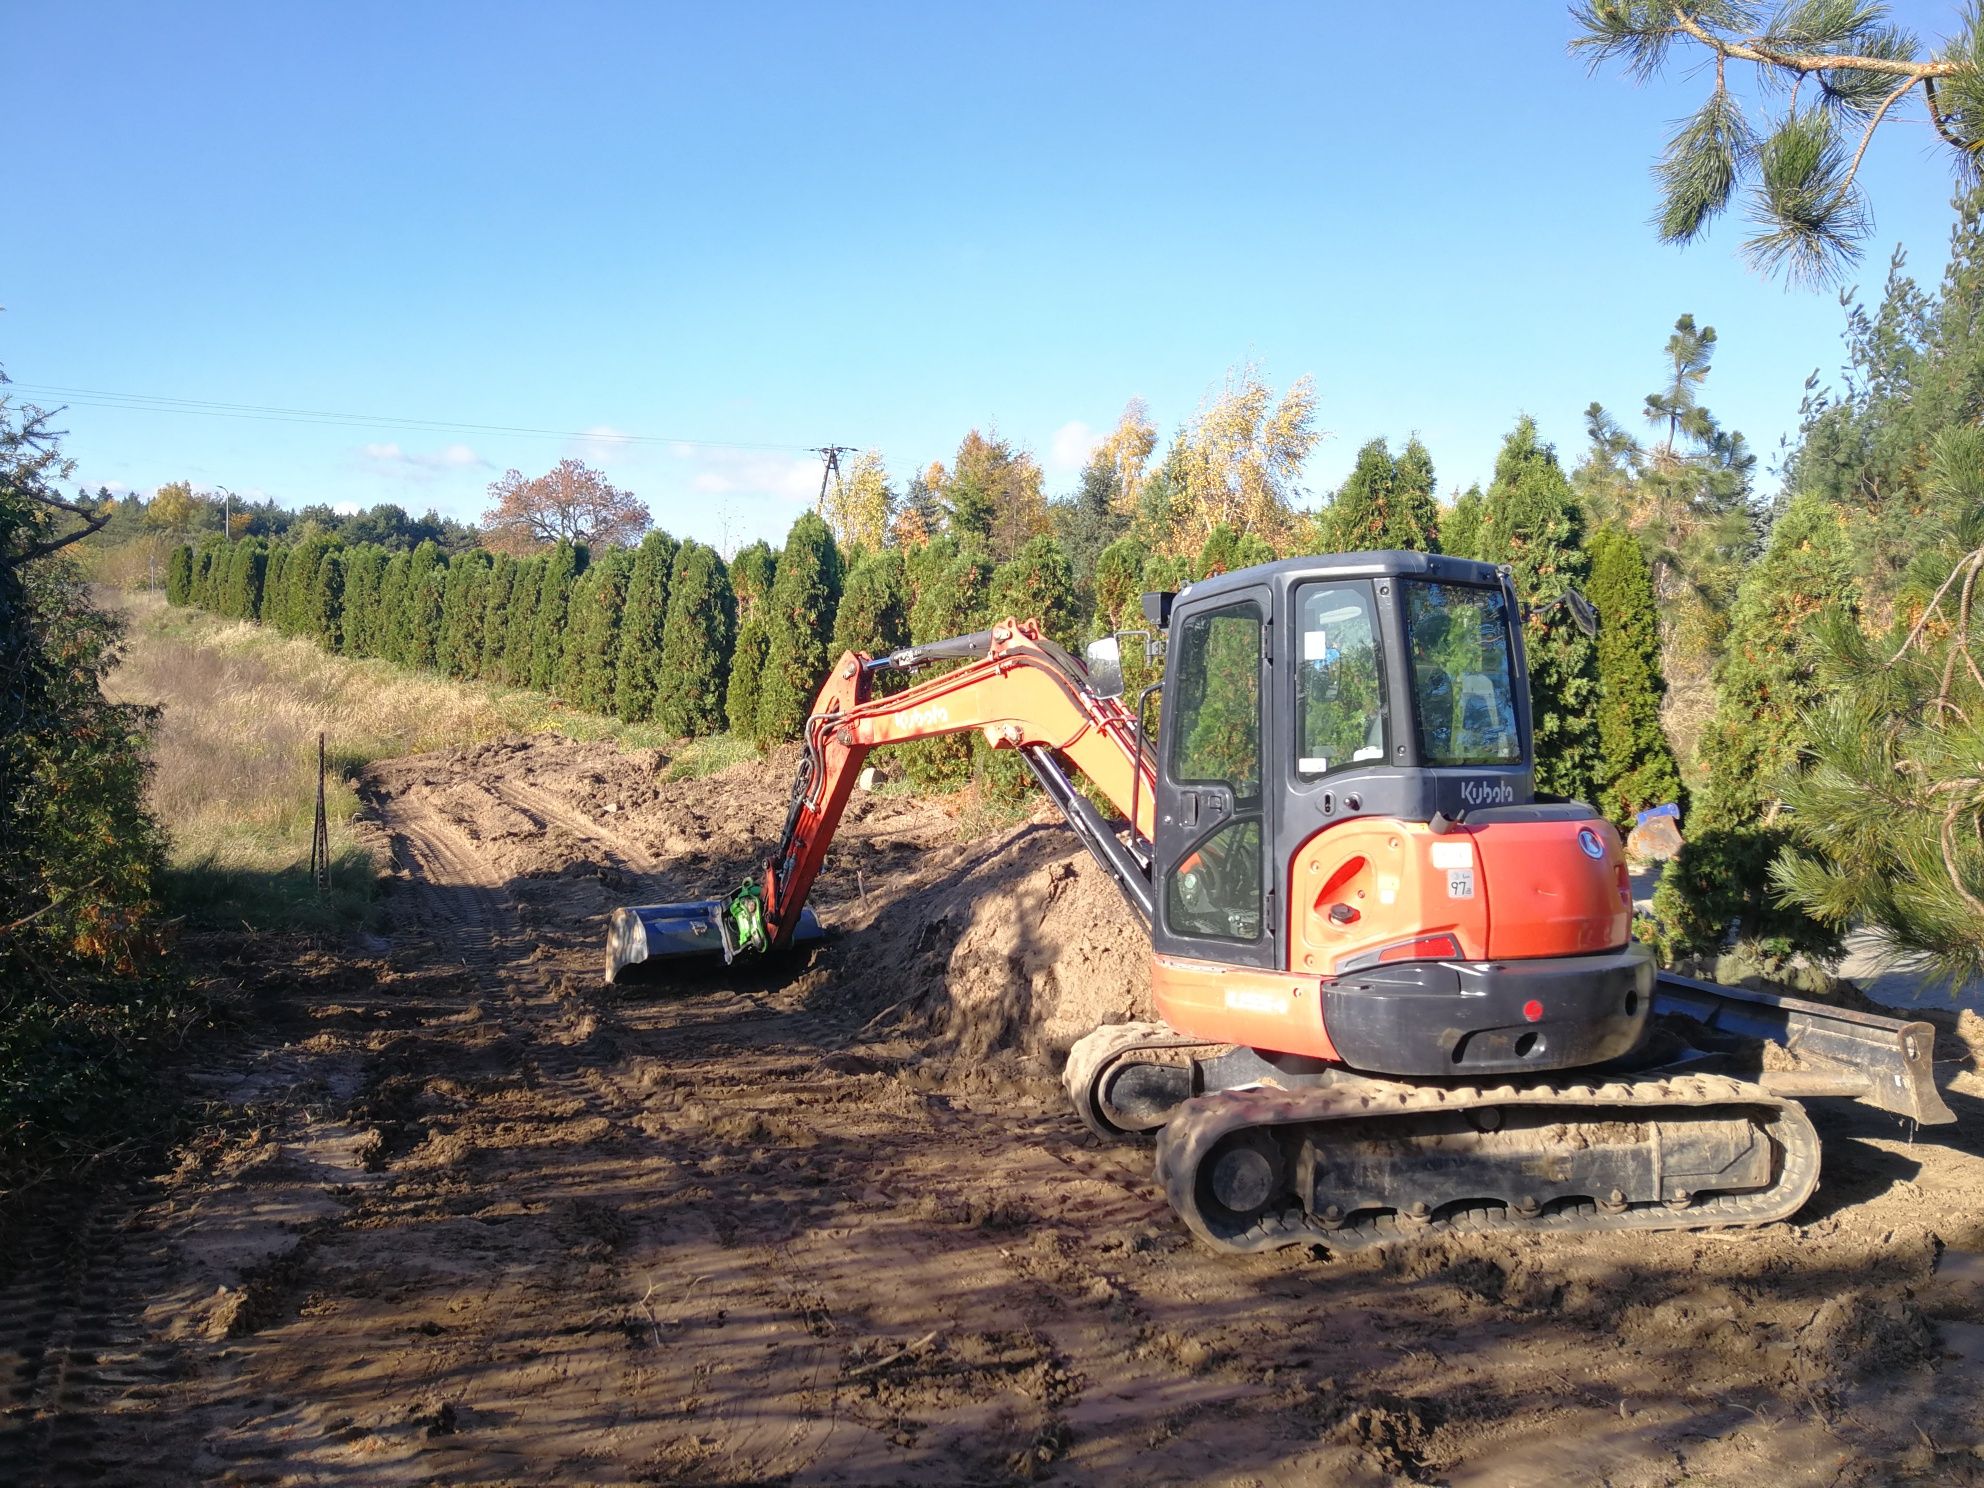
{"x":1867,"y":137}
{"x":1756,"y":49}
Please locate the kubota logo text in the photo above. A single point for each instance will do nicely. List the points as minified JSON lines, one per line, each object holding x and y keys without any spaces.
{"x":911,"y":719}
{"x":1487,"y":792}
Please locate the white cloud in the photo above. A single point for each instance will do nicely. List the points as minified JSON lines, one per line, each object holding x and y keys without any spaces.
{"x":729,"y":472}
{"x":449,"y":457}
{"x":345,"y":508}
{"x":599,"y":445}
{"x":1070,"y":448}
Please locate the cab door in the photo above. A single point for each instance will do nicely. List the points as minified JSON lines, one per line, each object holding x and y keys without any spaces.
{"x":1215,"y":896}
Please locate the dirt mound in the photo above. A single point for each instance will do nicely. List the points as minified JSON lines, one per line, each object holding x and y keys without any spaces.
{"x":1011,"y":944}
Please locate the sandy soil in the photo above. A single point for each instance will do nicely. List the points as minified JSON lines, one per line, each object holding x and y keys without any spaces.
{"x":461,"y":1214}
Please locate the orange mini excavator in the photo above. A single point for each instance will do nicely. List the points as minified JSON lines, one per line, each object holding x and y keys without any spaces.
{"x":1398,"y":987}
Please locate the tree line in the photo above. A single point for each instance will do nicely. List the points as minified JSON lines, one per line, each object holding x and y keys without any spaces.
{"x":1796,"y":671}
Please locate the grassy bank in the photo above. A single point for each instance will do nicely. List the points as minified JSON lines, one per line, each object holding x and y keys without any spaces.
{"x":236,"y":774}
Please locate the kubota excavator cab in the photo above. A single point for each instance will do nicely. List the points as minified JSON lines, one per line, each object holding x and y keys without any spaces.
{"x":1350,"y":860}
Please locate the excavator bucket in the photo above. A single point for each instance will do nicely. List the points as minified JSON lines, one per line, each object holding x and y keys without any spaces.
{"x":649,"y":935}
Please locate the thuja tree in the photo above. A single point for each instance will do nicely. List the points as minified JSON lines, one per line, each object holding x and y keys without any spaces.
{"x":496,"y":615}
{"x":364,"y":572}
{"x":1037,"y":583}
{"x":1532,"y":523}
{"x":645,"y":611}
{"x":179,"y":574}
{"x":246,"y":567}
{"x":515,"y":669}
{"x":562,"y":567}
{"x":419,"y":629}
{"x":1636,"y":765}
{"x":1119,"y":581}
{"x":323,"y":611}
{"x":388,"y":624}
{"x":799,"y":618}
{"x":751,"y":574}
{"x":1767,"y":680}
{"x":1385,"y":503}
{"x":873,"y":614}
{"x":696,"y":640}
{"x":592,"y":653}
{"x":464,"y":599}
{"x":1887,"y":815}
{"x":274,"y":577}
{"x":952,"y":600}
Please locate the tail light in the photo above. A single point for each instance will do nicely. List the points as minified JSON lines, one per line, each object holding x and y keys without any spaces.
{"x":1419,"y":948}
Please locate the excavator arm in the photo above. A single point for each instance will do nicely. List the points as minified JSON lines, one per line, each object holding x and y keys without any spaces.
{"x":1020,"y":690}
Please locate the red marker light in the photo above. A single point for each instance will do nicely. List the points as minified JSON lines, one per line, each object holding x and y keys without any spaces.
{"x":1533,"y":1010}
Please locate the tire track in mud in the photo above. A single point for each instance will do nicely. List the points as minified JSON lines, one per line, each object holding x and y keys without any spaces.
{"x":441,"y":865}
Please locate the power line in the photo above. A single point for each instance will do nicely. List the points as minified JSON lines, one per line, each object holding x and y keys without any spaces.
{"x":269,"y":413}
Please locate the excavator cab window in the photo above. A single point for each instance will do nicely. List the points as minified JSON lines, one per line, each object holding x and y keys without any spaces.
{"x":1214,"y":887}
{"x":1463,"y":674}
{"x":1340,"y":713}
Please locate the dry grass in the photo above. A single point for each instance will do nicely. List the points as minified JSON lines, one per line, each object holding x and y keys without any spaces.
{"x":236,"y":775}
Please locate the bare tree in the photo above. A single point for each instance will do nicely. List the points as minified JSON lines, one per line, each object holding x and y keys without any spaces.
{"x":571,"y":503}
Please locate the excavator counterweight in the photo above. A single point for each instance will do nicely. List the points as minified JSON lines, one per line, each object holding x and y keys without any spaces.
{"x":1397,"y":985}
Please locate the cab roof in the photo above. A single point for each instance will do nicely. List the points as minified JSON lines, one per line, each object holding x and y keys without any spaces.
{"x":1391,"y":561}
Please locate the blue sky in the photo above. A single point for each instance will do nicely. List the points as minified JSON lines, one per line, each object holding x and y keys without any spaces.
{"x":762,"y":228}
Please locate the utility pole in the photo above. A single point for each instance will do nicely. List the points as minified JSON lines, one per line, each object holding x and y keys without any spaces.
{"x":830,"y":453}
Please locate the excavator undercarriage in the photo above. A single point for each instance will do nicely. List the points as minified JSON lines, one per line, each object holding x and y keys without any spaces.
{"x":1397,"y":985}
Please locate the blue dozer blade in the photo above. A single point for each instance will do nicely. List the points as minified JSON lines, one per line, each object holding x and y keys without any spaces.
{"x":667,"y":932}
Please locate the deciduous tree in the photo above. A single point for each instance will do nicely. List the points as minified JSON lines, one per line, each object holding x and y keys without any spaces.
{"x":571,"y":504}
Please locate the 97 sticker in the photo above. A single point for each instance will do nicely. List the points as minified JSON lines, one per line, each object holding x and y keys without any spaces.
{"x":1460,"y":883}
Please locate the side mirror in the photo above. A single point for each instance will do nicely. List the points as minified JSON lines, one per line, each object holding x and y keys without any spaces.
{"x":1584,"y":614}
{"x":1105,"y":667}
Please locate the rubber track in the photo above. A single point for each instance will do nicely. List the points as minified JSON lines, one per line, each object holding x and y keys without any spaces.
{"x":1200,"y":1123}
{"x":1092,"y":1054}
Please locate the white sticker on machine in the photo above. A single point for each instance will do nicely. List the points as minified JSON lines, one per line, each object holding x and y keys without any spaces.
{"x":1460,"y":883}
